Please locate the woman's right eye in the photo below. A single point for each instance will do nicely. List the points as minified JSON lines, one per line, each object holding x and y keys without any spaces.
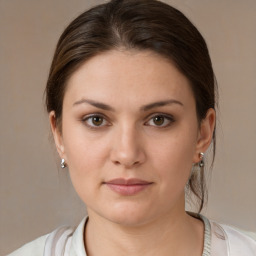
{"x":95,"y":121}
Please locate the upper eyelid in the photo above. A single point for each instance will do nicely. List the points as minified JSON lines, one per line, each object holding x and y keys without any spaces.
{"x":94,"y":114}
{"x":159,"y":114}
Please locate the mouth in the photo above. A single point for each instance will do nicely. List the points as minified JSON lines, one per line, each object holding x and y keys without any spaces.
{"x":127,"y":187}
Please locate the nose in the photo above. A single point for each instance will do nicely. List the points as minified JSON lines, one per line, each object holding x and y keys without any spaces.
{"x":127,"y":148}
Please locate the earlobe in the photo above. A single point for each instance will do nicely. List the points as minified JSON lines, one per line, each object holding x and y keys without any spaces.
{"x":56,"y":135}
{"x":205,"y":135}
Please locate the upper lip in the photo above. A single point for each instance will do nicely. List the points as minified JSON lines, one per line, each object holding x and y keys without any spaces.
{"x":121,"y":181}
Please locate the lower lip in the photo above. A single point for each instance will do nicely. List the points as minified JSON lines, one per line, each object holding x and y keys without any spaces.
{"x":128,"y":190}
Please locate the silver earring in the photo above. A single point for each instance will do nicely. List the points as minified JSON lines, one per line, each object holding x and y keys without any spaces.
{"x":62,"y":163}
{"x":201,"y":163}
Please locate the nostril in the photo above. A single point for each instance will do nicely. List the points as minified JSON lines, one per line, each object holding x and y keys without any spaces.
{"x":126,"y":164}
{"x":117,"y":162}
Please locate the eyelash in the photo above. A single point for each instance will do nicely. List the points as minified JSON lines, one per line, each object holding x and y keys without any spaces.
{"x":86,"y":119}
{"x":168,"y":118}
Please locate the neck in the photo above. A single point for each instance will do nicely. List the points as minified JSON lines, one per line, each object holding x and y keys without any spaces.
{"x":172,"y":234}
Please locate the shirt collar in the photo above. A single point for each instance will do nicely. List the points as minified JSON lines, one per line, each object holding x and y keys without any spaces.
{"x":77,"y":245}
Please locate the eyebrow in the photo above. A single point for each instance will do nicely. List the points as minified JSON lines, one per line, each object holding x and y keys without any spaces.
{"x":95,"y":104}
{"x":143,"y":108}
{"x":160,"y":104}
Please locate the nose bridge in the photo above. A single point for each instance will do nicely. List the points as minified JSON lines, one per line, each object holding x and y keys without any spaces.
{"x":127,"y":149}
{"x":128,"y":135}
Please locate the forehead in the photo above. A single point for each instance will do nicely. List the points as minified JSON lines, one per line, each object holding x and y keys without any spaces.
{"x":132,"y":77}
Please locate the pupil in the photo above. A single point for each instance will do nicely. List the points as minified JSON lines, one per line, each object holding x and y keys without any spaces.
{"x":97,"y":120}
{"x":158,"y":120}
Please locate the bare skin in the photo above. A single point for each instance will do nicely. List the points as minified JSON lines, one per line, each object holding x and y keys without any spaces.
{"x":182,"y":236}
{"x":130,"y":117}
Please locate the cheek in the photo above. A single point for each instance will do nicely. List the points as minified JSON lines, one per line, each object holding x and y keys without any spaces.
{"x":85,"y":160}
{"x":82,"y":148}
{"x":173,"y":157}
{"x":85,"y":156}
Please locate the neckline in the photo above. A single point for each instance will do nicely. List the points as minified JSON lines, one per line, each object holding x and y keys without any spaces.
{"x":207,"y":232}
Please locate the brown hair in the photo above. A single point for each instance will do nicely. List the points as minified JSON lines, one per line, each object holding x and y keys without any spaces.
{"x":140,"y":25}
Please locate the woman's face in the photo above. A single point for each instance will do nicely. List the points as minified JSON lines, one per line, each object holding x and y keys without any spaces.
{"x":130,"y":135}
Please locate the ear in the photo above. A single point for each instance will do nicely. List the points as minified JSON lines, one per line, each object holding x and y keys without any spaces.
{"x":57,"y":135}
{"x":205,"y":134}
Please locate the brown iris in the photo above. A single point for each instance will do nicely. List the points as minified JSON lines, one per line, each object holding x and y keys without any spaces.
{"x":158,"y":120}
{"x":97,"y":120}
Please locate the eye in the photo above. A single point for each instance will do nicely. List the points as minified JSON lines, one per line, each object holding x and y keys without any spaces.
{"x":95,"y":121}
{"x":160,"y":120}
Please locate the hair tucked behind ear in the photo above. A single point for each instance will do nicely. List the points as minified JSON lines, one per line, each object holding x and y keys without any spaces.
{"x":140,"y":25}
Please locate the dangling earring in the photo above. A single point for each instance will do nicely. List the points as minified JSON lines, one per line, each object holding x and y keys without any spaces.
{"x":201,"y":163}
{"x":62,"y":163}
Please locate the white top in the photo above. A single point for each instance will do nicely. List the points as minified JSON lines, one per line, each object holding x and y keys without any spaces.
{"x":219,"y":240}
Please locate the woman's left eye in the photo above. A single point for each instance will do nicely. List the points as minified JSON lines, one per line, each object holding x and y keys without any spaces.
{"x":160,"y":121}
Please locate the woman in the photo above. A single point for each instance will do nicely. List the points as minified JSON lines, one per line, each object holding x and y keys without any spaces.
{"x":131,"y":98}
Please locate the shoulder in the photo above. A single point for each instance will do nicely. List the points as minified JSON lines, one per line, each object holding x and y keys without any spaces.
{"x":34,"y":248}
{"x":62,"y":241}
{"x":50,"y":244}
{"x":232,"y":240}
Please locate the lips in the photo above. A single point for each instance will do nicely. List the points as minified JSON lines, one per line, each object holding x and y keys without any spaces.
{"x":127,"y":187}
